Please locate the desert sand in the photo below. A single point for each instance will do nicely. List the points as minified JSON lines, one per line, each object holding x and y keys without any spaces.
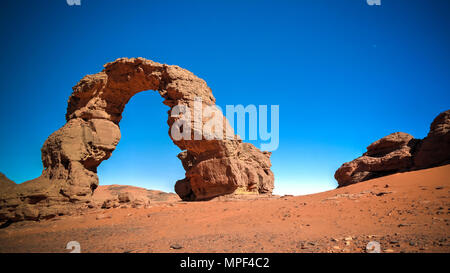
{"x":404,"y":212}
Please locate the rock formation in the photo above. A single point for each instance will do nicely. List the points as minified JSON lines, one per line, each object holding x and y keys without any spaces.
{"x":72,"y":154}
{"x":399,"y":152}
{"x":435,"y":147}
{"x":122,"y":196}
{"x":5,"y":181}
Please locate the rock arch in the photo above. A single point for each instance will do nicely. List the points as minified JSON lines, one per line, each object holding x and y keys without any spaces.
{"x":72,"y":154}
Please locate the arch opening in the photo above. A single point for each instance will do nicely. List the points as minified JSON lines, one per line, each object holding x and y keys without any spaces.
{"x":145,"y":156}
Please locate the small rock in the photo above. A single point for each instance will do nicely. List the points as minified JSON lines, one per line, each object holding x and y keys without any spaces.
{"x":124,"y":197}
{"x":302,"y":245}
{"x":382,"y":193}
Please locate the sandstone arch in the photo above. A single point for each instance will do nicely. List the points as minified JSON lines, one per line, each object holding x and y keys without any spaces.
{"x":72,"y":154}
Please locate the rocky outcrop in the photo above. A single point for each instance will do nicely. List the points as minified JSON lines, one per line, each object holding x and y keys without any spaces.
{"x":72,"y":154}
{"x":5,"y":181}
{"x":399,"y":152}
{"x":390,"y":154}
{"x":247,"y":170}
{"x":435,"y":148}
{"x":122,"y":196}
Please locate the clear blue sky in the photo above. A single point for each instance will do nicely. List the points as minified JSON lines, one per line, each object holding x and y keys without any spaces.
{"x":344,"y":74}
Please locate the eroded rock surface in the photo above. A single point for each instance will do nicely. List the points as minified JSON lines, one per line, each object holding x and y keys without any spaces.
{"x":5,"y":181}
{"x":435,"y":148}
{"x":400,"y":152}
{"x":72,"y":154}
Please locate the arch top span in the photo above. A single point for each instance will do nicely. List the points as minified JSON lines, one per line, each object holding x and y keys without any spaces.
{"x":105,"y":94}
{"x":72,"y":154}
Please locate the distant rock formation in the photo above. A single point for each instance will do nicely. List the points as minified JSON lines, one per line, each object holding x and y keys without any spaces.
{"x":72,"y":154}
{"x":399,"y":152}
{"x":122,"y":196}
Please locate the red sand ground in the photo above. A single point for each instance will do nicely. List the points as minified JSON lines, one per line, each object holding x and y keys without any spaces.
{"x":407,"y":212}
